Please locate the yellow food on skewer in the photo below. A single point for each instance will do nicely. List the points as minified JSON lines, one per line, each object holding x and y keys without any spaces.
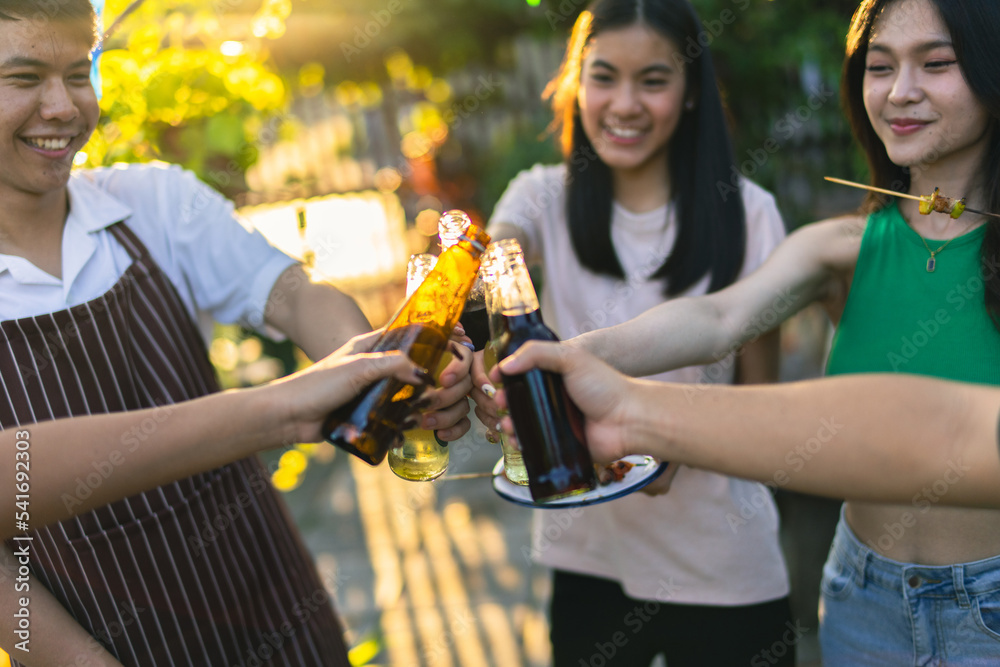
{"x":928,"y":203}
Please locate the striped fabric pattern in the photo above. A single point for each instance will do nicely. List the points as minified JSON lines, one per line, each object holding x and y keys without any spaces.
{"x":203,"y":571}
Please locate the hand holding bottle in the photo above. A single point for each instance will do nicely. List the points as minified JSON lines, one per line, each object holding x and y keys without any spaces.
{"x":374,"y":423}
{"x":307,"y":397}
{"x":607,"y":399}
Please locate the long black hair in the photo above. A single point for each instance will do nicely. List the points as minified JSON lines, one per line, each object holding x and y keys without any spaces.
{"x":74,"y":12}
{"x":711,"y":236}
{"x":971,"y":24}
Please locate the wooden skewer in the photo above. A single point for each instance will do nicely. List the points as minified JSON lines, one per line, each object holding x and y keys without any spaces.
{"x":872,"y":188}
{"x":469,"y":475}
{"x":893,"y":193}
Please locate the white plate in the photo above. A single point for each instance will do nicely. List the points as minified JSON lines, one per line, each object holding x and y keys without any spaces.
{"x":644,"y":471}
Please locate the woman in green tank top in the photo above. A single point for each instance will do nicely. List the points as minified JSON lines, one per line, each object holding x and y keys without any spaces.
{"x":910,"y":293}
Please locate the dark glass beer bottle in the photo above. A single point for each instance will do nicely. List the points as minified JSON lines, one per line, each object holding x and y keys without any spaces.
{"x":474,"y":319}
{"x":493,"y":262}
{"x":548,"y":424}
{"x":373,"y":422}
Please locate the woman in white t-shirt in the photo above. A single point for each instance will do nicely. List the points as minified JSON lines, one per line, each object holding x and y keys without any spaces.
{"x":645,"y":208}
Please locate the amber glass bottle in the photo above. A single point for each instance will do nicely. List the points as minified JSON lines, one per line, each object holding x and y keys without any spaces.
{"x":372,"y":423}
{"x":420,"y":457}
{"x":473,"y":319}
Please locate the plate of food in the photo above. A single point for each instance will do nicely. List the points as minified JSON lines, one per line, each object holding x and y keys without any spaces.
{"x":616,"y":479}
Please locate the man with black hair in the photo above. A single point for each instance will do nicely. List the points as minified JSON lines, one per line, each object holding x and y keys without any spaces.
{"x":103,"y":276}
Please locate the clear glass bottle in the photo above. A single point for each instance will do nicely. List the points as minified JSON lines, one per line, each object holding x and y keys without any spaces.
{"x":371,"y":424}
{"x":450,"y":226}
{"x":549,"y":426}
{"x":493,"y":260}
{"x":420,"y":457}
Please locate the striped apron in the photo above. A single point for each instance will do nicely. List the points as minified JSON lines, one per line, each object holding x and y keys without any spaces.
{"x":205,"y":571}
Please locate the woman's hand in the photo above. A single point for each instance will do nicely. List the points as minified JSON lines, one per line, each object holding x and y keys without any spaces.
{"x":310,"y":395}
{"x":328,"y":384}
{"x":445,"y":408}
{"x":482,"y":395}
{"x":603,"y":395}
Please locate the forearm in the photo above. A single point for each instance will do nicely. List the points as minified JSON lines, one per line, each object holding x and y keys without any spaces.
{"x":678,"y":333}
{"x":130,"y":451}
{"x":317,"y":316}
{"x":873,"y":438}
{"x":55,"y":637}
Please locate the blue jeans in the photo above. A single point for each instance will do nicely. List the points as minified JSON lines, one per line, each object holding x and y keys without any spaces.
{"x":878,"y":611}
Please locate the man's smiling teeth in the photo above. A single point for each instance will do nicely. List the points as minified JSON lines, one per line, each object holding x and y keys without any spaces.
{"x":48,"y":144}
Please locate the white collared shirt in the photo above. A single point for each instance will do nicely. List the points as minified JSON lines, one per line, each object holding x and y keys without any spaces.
{"x":219,"y":265}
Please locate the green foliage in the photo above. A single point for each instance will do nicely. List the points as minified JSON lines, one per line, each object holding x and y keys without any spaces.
{"x":170,"y":93}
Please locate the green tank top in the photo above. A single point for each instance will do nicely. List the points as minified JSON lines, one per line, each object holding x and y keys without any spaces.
{"x":901,"y":318}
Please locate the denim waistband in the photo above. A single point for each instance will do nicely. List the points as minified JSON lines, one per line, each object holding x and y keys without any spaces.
{"x":960,"y":580}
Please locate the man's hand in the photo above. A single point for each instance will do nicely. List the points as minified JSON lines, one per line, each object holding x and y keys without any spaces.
{"x":603,"y":395}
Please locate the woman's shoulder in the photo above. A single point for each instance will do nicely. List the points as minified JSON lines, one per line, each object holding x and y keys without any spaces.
{"x":546,"y":176}
{"x":532,"y":190}
{"x":835,"y":241}
{"x":755,"y":197}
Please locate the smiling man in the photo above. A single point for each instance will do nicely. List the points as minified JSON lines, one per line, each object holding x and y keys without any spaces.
{"x":103,"y":276}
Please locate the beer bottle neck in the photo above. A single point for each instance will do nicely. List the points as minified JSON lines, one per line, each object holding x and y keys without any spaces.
{"x":517,"y":294}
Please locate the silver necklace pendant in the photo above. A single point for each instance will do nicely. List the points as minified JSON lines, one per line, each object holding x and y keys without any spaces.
{"x":931,"y":263}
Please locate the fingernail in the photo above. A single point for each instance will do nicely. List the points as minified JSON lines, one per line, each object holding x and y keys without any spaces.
{"x":422,"y":404}
{"x":410,"y":422}
{"x":498,"y":427}
{"x":459,"y":329}
{"x":425,"y":377}
{"x":457,"y":351}
{"x":489,"y":390}
{"x":468,"y":344}
{"x":492,"y":437}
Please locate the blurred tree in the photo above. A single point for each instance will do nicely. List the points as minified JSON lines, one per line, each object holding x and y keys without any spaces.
{"x":175,"y":89}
